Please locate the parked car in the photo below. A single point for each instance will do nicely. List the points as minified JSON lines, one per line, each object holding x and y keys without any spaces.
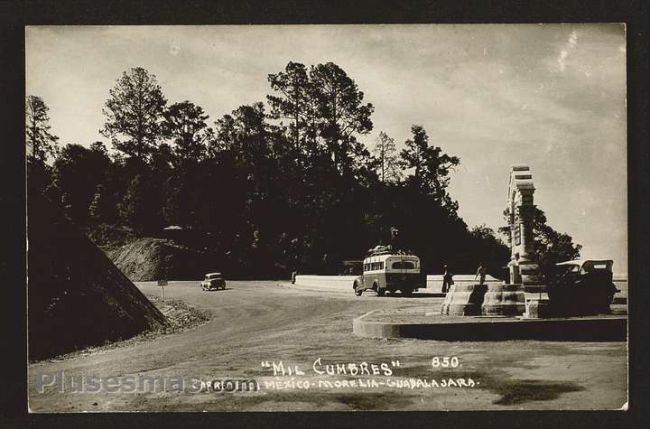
{"x":213,"y":281}
{"x":582,"y":287}
{"x":386,"y":270}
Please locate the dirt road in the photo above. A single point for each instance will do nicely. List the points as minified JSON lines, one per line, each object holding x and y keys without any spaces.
{"x":261,"y":322}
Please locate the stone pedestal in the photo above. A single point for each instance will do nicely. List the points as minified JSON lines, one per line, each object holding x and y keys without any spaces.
{"x":504,"y":300}
{"x":537,"y":309}
{"x":529,"y":272}
{"x":535,"y":288}
{"x":464,"y":300}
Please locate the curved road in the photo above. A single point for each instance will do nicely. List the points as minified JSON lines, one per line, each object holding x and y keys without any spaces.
{"x":263,"y":321}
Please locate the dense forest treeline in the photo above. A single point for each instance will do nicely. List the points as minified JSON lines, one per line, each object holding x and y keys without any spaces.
{"x":275,"y":186}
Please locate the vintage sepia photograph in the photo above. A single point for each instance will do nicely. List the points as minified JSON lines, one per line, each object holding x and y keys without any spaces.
{"x":377,"y":217}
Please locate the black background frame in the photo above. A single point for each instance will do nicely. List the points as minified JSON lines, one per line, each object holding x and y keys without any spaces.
{"x":14,"y":15}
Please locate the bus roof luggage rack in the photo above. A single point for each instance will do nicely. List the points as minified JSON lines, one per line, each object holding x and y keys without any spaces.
{"x":386,"y":250}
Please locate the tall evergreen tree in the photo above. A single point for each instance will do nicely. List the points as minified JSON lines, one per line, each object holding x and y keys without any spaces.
{"x":293,"y":102}
{"x":387,"y":157}
{"x":41,"y":143}
{"x":341,"y":112}
{"x":430,"y":167}
{"x":184,"y":123}
{"x":134,"y":114}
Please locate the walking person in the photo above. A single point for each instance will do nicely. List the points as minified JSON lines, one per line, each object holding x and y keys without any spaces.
{"x":447,"y":279}
{"x":480,"y":273}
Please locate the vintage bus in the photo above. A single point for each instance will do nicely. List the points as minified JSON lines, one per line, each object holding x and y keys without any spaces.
{"x":390,"y":272}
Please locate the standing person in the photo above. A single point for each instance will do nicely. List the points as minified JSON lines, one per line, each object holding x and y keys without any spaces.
{"x":447,"y":280}
{"x":513,"y":266}
{"x":480,"y":272}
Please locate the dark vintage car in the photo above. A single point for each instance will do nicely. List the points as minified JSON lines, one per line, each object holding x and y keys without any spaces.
{"x":582,"y":287}
{"x":213,"y":281}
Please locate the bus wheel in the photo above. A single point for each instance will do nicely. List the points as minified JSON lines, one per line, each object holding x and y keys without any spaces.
{"x":357,"y":288}
{"x":380,"y":291}
{"x":407,"y":292}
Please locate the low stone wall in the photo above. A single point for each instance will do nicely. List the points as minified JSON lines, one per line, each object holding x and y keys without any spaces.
{"x":378,"y":324}
{"x":434,"y":281}
{"x":330,"y":282}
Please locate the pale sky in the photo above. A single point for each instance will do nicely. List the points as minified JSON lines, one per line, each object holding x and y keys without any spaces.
{"x":548,"y":96}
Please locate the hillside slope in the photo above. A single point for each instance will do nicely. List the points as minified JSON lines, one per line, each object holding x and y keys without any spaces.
{"x":76,"y":296}
{"x":147,"y":259}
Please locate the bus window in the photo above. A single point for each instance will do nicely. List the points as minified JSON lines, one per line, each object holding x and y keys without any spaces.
{"x":403,"y":265}
{"x":375,"y":266}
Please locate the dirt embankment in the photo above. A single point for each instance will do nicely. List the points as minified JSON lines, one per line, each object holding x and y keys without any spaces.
{"x":180,"y":317}
{"x":147,"y":259}
{"x":76,"y":296}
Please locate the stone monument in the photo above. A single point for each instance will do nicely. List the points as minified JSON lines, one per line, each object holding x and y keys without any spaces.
{"x":586,"y":288}
{"x":520,"y":210}
{"x":508,"y":299}
{"x":524,"y":269}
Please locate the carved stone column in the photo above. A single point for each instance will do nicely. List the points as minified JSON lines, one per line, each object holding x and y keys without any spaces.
{"x":521,"y":209}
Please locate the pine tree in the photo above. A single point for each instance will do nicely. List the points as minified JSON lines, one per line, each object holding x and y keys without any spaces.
{"x":387,"y":159}
{"x":41,"y":143}
{"x":134,"y":114}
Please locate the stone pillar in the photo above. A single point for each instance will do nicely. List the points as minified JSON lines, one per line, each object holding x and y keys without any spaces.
{"x":520,"y":212}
